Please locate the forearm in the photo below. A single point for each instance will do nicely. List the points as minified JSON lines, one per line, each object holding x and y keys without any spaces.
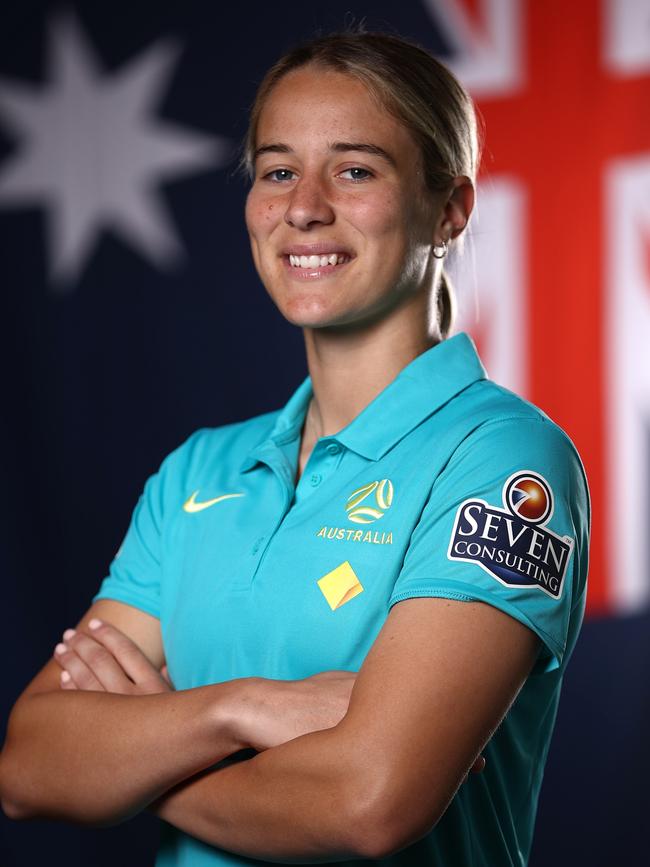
{"x":299,"y":802}
{"x":99,"y":757}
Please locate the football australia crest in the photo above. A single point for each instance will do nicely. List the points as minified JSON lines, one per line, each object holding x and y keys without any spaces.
{"x":366,"y":505}
{"x":513,"y":544}
{"x":370,"y":502}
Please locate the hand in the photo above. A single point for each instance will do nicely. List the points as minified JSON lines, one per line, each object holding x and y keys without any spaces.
{"x":268,"y":713}
{"x":104,"y":659}
{"x":271,"y":712}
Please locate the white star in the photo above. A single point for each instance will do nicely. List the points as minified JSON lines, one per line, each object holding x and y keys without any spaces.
{"x":92,"y":150}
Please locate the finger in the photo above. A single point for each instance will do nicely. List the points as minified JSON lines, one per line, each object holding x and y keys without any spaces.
{"x":98,"y":660}
{"x":82,"y":676}
{"x":66,"y":681}
{"x":129,"y":656}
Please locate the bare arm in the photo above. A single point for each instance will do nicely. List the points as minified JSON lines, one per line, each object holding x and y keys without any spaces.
{"x":101,"y":753}
{"x":383,"y":777}
{"x":97,"y":757}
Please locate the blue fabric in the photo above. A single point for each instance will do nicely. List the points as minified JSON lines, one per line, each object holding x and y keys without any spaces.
{"x":415,"y":497}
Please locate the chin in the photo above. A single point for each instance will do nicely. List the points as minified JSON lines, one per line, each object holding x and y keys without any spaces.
{"x":309,"y":312}
{"x":341,"y":323}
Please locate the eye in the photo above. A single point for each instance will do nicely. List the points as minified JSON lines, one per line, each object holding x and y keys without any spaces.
{"x":356,"y":173}
{"x":279,"y":175}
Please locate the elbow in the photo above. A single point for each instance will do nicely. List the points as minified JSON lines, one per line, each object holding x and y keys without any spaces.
{"x":381,"y":838}
{"x":20,"y":790}
{"x":11,"y":804}
{"x":15,"y":789}
{"x":13,"y":810}
{"x":385,"y":822}
{"x":22,"y":798}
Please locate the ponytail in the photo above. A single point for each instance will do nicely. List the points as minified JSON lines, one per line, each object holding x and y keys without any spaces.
{"x":446,"y":304}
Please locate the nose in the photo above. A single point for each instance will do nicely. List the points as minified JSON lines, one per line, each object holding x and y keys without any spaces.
{"x":308,"y":205}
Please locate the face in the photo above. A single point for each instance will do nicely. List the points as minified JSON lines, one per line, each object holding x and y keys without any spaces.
{"x":341,"y":226}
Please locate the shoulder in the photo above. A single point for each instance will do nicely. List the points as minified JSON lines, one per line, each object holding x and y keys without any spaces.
{"x":501,"y":427}
{"x":501,"y":445}
{"x":508,"y":516}
{"x":485,"y":403}
{"x":232,"y":440}
{"x":207,"y":451}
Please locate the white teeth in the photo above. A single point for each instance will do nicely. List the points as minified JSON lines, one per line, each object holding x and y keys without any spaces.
{"x":317,"y":261}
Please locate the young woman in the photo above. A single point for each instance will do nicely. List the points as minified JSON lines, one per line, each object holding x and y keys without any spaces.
{"x":402,"y":517}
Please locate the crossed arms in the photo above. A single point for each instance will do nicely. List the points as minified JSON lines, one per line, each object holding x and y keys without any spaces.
{"x":332,"y":779}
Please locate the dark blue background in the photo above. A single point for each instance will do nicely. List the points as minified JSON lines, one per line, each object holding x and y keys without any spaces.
{"x":101,"y":381}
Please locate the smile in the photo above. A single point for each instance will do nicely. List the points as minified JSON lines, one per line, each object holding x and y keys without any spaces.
{"x":318,"y":261}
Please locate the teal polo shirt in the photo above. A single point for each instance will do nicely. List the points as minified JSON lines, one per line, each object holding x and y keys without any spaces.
{"x":445,"y":485}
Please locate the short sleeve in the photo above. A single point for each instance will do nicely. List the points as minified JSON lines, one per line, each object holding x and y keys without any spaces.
{"x":135,"y":574}
{"x":507,"y":523}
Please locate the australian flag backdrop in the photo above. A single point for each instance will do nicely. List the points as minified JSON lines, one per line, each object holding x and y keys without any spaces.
{"x":131,"y":315}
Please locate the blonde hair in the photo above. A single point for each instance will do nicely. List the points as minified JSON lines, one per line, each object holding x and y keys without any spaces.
{"x":415,"y":88}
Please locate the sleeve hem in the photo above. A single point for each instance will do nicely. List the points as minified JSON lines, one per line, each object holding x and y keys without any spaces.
{"x":133,"y":599}
{"x":466,"y":593}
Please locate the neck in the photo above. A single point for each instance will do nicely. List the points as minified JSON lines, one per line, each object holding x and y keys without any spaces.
{"x":350,"y":366}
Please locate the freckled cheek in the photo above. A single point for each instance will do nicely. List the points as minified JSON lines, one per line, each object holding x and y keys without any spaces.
{"x":261,"y":215}
{"x":384,"y":224}
{"x":378,"y":216}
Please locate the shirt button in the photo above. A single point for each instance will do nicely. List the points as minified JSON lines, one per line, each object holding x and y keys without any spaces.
{"x":316,"y":479}
{"x":333,"y":449}
{"x":256,"y":546}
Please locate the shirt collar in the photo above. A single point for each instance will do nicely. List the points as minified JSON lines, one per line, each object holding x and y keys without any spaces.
{"x":287,"y":427}
{"x":422,"y":387}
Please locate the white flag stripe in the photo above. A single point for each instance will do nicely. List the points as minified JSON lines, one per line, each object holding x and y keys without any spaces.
{"x":626,"y":35}
{"x":488,"y":60}
{"x":627,"y":361}
{"x":494,"y":266}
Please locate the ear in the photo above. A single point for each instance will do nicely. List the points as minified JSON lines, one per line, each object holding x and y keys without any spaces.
{"x":457,"y":209}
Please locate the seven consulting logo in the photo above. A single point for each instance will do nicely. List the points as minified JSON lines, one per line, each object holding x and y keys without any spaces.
{"x":512,"y":544}
{"x":529,"y":497}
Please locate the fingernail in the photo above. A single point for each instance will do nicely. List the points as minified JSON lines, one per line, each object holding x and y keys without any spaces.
{"x":67,"y":635}
{"x":60,"y":648}
{"x":65,"y":677}
{"x":94,"y":623}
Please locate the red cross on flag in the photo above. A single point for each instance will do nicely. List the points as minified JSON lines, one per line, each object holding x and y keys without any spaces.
{"x":561,"y":246}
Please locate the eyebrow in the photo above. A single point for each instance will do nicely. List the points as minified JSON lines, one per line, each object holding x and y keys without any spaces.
{"x":337,"y":147}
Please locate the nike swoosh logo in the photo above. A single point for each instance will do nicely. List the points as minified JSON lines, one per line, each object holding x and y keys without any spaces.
{"x":192,"y":506}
